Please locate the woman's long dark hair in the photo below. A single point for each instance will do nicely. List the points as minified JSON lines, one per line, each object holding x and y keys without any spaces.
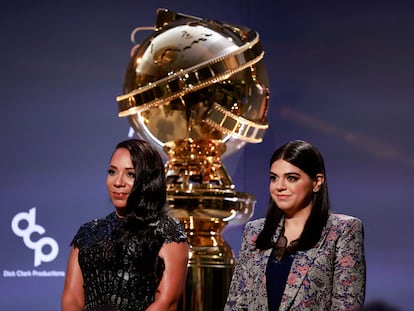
{"x":306,"y":157}
{"x":145,"y":205}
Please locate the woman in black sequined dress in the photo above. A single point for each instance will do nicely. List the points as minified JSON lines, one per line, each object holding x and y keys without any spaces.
{"x":136,"y":257}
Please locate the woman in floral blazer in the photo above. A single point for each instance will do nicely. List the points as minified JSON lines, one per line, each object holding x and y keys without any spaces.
{"x":300,"y":257}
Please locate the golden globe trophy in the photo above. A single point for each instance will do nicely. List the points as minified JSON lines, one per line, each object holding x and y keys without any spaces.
{"x":198,"y":90}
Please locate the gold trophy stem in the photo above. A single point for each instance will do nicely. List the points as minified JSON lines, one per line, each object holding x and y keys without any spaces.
{"x":210,"y":266}
{"x":201,"y":194}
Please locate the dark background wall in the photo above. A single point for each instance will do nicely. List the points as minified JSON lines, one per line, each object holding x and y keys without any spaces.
{"x":341,"y":75}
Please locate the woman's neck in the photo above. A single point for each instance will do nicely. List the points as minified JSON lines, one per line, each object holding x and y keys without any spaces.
{"x":120,"y":212}
{"x":294,"y":225}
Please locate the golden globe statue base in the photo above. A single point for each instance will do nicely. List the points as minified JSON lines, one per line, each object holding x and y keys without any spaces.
{"x":201,"y":194}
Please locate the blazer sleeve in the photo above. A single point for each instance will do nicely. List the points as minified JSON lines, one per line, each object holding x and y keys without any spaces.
{"x":350,"y":267}
{"x":237,"y":299}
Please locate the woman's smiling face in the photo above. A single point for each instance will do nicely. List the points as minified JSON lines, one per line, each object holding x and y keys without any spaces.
{"x":121,"y":178}
{"x":291,"y":188}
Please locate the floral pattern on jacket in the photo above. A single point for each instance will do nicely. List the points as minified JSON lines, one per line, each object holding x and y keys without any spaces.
{"x":330,"y":276}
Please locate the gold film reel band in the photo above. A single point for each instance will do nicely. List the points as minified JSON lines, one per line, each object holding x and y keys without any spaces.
{"x":190,"y":80}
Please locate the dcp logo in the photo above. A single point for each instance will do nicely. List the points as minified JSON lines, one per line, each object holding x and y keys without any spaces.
{"x":26,"y":233}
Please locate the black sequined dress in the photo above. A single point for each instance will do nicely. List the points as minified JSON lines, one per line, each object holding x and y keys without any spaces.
{"x":128,"y":283}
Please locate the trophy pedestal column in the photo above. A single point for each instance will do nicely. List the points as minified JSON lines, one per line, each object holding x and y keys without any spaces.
{"x":201,"y":195}
{"x":210,"y":266}
{"x":211,"y":259}
{"x":206,"y":288}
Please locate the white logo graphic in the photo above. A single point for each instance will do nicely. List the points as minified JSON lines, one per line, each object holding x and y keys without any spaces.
{"x":38,"y":245}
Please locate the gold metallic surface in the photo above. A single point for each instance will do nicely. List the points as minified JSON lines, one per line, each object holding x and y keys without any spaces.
{"x":198,"y":90}
{"x":206,"y":288}
{"x":197,"y":78}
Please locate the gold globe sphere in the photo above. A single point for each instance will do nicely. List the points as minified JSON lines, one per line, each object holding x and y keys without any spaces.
{"x":196,"y":78}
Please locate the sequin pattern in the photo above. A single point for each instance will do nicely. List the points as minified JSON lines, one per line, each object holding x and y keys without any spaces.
{"x":120,"y":285}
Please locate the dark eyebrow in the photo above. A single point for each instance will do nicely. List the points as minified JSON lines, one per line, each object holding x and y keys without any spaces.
{"x":286,"y":174}
{"x":293,"y":173}
{"x":127,"y":168}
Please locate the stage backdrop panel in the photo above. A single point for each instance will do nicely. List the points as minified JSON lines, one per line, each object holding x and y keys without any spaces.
{"x":340,"y":77}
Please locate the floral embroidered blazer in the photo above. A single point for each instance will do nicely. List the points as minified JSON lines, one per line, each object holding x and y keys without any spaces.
{"x":330,"y":276}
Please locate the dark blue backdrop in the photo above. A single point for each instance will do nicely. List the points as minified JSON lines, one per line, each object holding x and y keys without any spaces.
{"x":341,"y":77}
